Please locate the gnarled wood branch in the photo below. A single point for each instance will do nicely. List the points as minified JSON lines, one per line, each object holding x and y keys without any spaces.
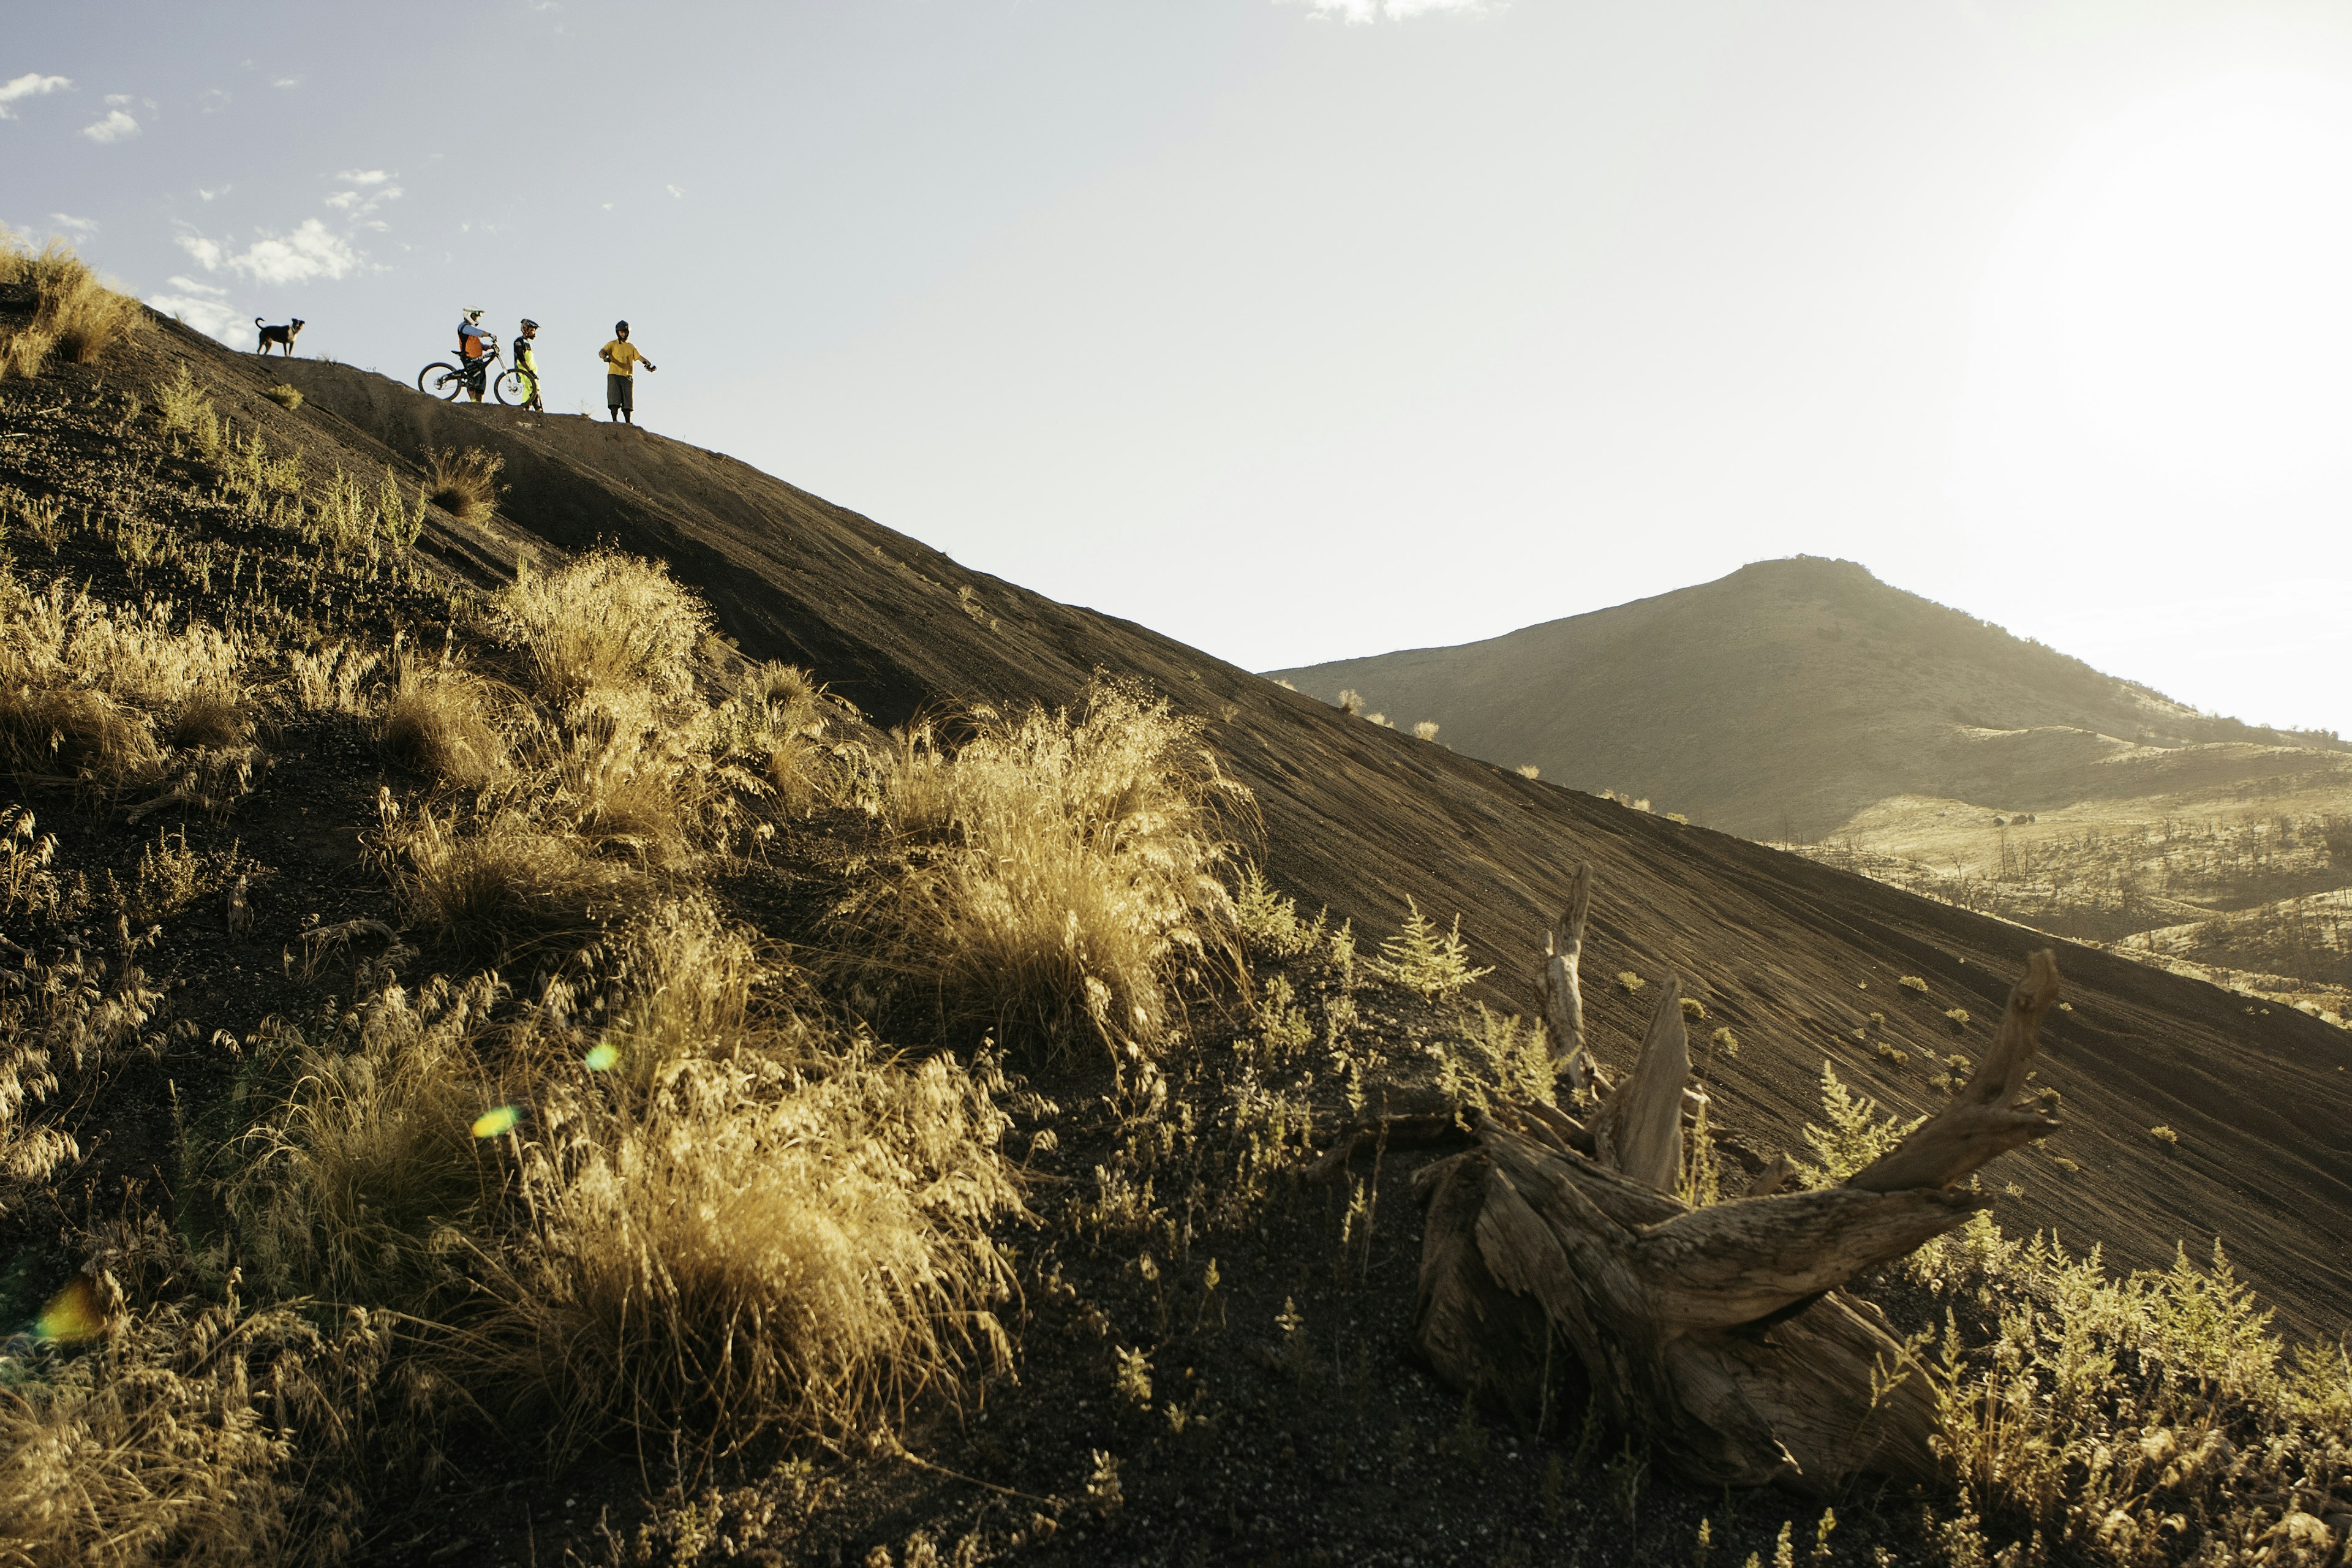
{"x":1558,"y":1266}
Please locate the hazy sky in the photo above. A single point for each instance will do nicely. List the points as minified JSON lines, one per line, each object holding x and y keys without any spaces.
{"x":1303,"y":330}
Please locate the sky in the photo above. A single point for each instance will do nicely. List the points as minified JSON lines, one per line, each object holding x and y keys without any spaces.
{"x":1307,"y":329}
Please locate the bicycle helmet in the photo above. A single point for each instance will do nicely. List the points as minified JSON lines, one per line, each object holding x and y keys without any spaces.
{"x":529,"y":325}
{"x":473,"y":312}
{"x":620,"y":326}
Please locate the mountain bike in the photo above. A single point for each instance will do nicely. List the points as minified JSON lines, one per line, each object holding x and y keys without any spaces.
{"x":445,"y":381}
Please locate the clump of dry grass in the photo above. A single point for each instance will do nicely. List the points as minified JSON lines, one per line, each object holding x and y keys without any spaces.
{"x":604,"y":621}
{"x":464,"y":484}
{"x":366,"y":1171}
{"x":74,"y":315}
{"x":1078,"y":889}
{"x":437,"y":719}
{"x":148,"y":1448}
{"x":627,"y":773}
{"x":779,"y":717}
{"x":759,"y":1243}
{"x":286,"y":394}
{"x":692,"y":985}
{"x":211,"y":718}
{"x":492,"y":884}
{"x":81,"y":684}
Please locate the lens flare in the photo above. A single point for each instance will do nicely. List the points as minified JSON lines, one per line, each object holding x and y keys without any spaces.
{"x":72,"y":1314}
{"x":604,"y":1058}
{"x":496,"y":1123}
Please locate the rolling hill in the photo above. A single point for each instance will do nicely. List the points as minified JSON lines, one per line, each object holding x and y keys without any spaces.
{"x":1779,"y":701}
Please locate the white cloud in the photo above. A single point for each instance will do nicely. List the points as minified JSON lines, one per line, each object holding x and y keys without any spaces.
{"x":116,"y":127}
{"x":209,"y":194}
{"x":208,"y":312}
{"x":32,"y":84}
{"x":676,"y":192}
{"x":1395,"y":10}
{"x":190,"y":286}
{"x":357,"y":204}
{"x":214,"y":100}
{"x":310,"y":253}
{"x":364,"y":176}
{"x":79,"y":227}
{"x":287,"y":81}
{"x":117,"y":99}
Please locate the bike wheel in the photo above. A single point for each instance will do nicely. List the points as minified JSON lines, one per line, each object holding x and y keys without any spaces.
{"x":442,"y":381}
{"x":513,"y":387}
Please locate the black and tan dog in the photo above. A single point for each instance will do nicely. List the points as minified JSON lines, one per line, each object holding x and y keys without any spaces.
{"x":283,"y":336}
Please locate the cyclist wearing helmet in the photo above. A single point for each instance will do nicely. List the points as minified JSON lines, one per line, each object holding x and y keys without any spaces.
{"x":621,"y":359}
{"x":527,"y":361}
{"x":472,"y":346}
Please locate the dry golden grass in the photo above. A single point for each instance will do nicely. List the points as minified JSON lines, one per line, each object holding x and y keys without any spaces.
{"x":211,"y":717}
{"x":495,"y":884}
{"x":357,"y":1184}
{"x":464,"y":484}
{"x":759,"y":1243}
{"x":1077,"y":891}
{"x":148,"y":1449}
{"x":437,"y":719}
{"x":603,"y":621}
{"x":74,"y":315}
{"x":631,"y":774}
{"x":779,"y":716}
{"x":692,"y":982}
{"x":81,"y":685}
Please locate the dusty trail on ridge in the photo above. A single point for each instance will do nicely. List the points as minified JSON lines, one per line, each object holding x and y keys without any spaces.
{"x":1791,"y":955}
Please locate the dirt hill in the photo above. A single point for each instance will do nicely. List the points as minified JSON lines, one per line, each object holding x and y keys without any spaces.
{"x":1782,"y":700}
{"x":1793,"y":956}
{"x":1240,"y":1343}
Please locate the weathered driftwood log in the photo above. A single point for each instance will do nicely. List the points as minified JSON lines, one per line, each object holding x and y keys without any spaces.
{"x":1559,"y":1271}
{"x":1563,"y":1011}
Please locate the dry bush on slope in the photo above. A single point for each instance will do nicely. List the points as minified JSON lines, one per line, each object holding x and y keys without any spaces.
{"x":778,"y":719}
{"x":604,"y":621}
{"x":81,"y":684}
{"x":365,"y":1178}
{"x":493,"y":883}
{"x":2151,"y":1420}
{"x":150,"y":1449}
{"x":74,"y":314}
{"x":437,"y":719}
{"x":1077,"y":889}
{"x":708,"y":1216}
{"x":464,"y":484}
{"x":761,"y":1243}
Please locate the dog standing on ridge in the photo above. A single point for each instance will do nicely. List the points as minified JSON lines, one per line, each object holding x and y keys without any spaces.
{"x":283,"y":336}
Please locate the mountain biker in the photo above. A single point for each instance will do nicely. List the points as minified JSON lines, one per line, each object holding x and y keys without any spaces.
{"x":527,"y":361}
{"x":621,"y":359}
{"x":473,"y":346}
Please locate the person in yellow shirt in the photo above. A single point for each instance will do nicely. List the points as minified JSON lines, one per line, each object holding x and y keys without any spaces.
{"x":621,"y":359}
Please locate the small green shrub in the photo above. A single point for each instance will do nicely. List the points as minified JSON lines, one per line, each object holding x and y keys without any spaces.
{"x":1629,"y":982}
{"x":1913,"y":983}
{"x":1726,"y":1041}
{"x":1421,"y":959}
{"x":2163,"y":1134}
{"x":1694,"y":1009}
{"x":286,"y":395}
{"x":1856,"y":1135}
